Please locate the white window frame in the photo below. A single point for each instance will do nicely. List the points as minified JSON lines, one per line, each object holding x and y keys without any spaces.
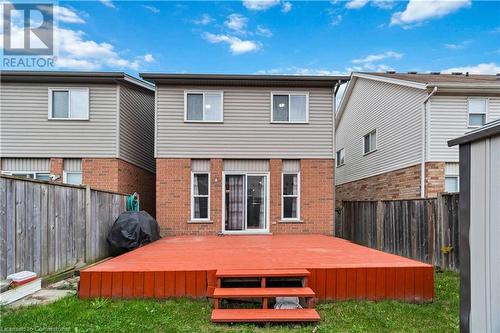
{"x":453,"y":176}
{"x":52,"y":89}
{"x":204,"y":92}
{"x":193,"y":219}
{"x":33,"y":173}
{"x":486,"y":102}
{"x":65,"y":176}
{"x":283,"y":218}
{"x":289,"y":93}
{"x":341,"y":153}
{"x":373,"y":149}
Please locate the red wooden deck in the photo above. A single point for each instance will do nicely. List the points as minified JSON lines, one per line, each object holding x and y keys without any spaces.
{"x":186,"y":266}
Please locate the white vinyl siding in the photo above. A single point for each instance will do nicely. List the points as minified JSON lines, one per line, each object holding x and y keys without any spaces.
{"x":246,"y":165}
{"x":69,"y":103}
{"x":396,"y":112}
{"x":34,"y":168}
{"x":24,"y":110}
{"x":246,"y":131}
{"x":449,"y":119}
{"x":137,"y":119}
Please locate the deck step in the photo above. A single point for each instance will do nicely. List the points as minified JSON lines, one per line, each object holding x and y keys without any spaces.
{"x":227,"y":273}
{"x":262,"y":292}
{"x":263,"y":315}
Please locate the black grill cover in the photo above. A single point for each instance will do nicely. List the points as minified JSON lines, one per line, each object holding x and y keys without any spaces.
{"x":132,"y":230}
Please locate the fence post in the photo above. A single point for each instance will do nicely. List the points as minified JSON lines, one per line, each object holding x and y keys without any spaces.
{"x":87,"y":233}
{"x":380,"y":225}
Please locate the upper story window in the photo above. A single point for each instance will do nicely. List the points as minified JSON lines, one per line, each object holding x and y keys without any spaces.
{"x":69,"y":103}
{"x":370,"y":142}
{"x":477,"y":108}
{"x":203,"y":106}
{"x":290,"y":107}
{"x":340,"y":157}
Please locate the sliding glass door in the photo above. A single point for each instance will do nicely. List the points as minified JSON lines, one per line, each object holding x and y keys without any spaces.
{"x":245,"y":202}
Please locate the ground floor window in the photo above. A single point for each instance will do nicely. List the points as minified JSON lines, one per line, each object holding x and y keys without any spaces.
{"x":290,"y":196}
{"x":74,"y":178}
{"x":200,"y":200}
{"x":31,"y":175}
{"x":451,"y":184}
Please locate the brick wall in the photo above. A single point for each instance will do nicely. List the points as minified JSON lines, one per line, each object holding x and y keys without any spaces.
{"x":434,"y":178}
{"x":398,"y":184}
{"x":57,"y":168}
{"x":173,"y":200}
{"x":117,"y":175}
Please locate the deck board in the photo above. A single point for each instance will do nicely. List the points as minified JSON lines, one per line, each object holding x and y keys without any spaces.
{"x":263,"y":315}
{"x":187,"y":265}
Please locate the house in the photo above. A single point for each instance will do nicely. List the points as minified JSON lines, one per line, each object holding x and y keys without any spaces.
{"x":479,"y":229}
{"x":392,"y":131}
{"x":244,"y":153}
{"x":86,"y":128}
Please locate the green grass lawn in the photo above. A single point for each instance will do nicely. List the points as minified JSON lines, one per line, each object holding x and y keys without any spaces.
{"x":183,"y":315}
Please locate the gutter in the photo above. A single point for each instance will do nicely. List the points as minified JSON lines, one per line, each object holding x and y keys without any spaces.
{"x":424,"y":142}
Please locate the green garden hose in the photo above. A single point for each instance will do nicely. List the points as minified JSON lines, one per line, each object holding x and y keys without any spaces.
{"x":133,"y":203}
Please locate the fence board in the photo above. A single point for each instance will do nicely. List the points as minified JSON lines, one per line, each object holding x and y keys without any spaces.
{"x":48,"y":227}
{"x":422,"y":229}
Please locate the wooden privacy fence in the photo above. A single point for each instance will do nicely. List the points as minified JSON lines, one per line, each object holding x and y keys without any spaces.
{"x":47,"y":227}
{"x":422,"y":229}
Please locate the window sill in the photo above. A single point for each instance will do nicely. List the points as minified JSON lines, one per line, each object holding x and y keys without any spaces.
{"x":70,"y":119}
{"x":338,"y":166}
{"x":205,"y":121}
{"x":370,"y":152}
{"x":200,"y":222}
{"x":291,"y":122}
{"x":290,"y":221}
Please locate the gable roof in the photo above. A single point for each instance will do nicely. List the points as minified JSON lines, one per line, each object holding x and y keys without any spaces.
{"x":73,"y":77}
{"x":462,"y":83}
{"x":244,"y":80}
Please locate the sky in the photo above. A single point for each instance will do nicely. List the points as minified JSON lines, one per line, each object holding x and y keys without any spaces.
{"x":278,"y":37}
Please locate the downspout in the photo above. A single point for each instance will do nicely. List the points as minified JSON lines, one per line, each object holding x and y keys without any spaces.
{"x":424,"y":143}
{"x":334,"y":115}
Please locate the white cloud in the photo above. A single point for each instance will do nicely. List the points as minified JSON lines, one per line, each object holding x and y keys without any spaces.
{"x":458,"y":46}
{"x":149,"y":58}
{"x":63,"y":14}
{"x":376,"y":57}
{"x":108,"y":3}
{"x":260,"y":4}
{"x":203,"y":20}
{"x":152,"y":9}
{"x":356,"y":4}
{"x":263,"y":31}
{"x":294,"y":70}
{"x":335,"y":19}
{"x":485,"y":68}
{"x":286,"y":7}
{"x":418,"y":11}
{"x":236,"y":22}
{"x":236,"y":45}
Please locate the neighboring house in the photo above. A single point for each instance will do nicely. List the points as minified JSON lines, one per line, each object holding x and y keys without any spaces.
{"x":244,"y":153}
{"x":479,"y":229}
{"x":392,"y":131}
{"x":95,"y":129}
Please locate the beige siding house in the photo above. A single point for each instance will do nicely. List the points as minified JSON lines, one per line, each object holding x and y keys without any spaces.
{"x":244,"y":154}
{"x":392,"y":131}
{"x":80,"y":128}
